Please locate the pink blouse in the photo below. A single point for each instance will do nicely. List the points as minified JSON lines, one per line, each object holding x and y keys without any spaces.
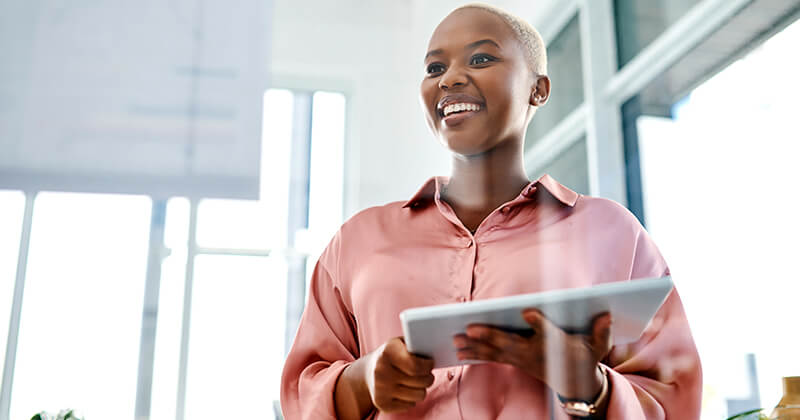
{"x":403,"y":255}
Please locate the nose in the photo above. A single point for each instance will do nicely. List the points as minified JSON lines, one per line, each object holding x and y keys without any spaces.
{"x":453,"y":77}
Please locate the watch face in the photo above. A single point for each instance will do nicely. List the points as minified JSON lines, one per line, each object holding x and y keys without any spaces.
{"x":578,"y":409}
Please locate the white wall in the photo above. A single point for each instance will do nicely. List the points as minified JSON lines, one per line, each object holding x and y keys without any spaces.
{"x":373,"y":50}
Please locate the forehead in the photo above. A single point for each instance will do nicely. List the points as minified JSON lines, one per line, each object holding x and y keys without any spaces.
{"x":468,"y":25}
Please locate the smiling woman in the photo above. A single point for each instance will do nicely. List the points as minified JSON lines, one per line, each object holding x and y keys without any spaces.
{"x":486,"y":231}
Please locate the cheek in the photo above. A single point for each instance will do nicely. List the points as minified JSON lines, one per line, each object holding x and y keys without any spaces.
{"x":510,"y":102}
{"x":427,"y":96}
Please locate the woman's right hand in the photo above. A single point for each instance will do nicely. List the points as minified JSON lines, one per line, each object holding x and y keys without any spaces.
{"x":390,"y":379}
{"x":397,"y":379}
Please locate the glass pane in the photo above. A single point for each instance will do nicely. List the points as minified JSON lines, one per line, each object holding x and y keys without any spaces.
{"x":236,"y":350}
{"x":233,"y":224}
{"x":639,"y":22}
{"x":327,"y":164}
{"x":571,"y":168}
{"x":82,"y":314}
{"x":566,"y":74}
{"x":12,"y":209}
{"x":256,"y":224}
{"x":726,"y":220}
{"x":170,"y":312}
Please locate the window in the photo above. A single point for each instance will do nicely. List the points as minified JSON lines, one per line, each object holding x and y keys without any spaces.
{"x":718,"y":183}
{"x":81,"y":323}
{"x":570,"y":167}
{"x":11,"y":212}
{"x":566,"y":73}
{"x":236,"y":345}
{"x":639,"y":22}
{"x":170,"y":311}
{"x":82,"y":310}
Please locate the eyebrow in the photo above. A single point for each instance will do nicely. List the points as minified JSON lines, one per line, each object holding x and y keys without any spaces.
{"x":469,"y":46}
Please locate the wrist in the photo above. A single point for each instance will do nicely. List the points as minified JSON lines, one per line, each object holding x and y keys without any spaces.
{"x":590,"y":408}
{"x":586,"y":389}
{"x":351,"y":395}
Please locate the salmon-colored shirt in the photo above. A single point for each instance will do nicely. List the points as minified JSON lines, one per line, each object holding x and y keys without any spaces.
{"x":402,"y":255}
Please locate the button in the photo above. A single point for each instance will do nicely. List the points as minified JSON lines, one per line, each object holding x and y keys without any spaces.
{"x":450,"y":375}
{"x":505,"y":209}
{"x":468,"y":243}
{"x":529,"y":191}
{"x":462,"y":299}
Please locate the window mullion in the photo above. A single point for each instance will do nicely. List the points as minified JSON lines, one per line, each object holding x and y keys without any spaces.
{"x":16,"y":308}
{"x":180,"y":406}
{"x":147,"y":342}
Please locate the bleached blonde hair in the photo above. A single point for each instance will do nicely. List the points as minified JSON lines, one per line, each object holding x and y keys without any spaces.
{"x":532,"y":43}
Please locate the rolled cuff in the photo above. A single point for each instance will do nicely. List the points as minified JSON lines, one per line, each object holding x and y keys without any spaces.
{"x":623,"y":403}
{"x":315,"y":399}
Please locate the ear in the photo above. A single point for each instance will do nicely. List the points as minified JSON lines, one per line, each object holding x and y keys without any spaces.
{"x":541,"y":91}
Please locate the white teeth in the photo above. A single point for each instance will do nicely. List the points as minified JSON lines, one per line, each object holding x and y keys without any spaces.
{"x":459,"y":107}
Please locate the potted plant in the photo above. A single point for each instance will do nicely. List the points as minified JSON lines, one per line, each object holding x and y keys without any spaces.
{"x":62,"y":415}
{"x":757,"y":414}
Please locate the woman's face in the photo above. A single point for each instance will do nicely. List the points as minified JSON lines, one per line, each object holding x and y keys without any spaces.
{"x":477,"y":86}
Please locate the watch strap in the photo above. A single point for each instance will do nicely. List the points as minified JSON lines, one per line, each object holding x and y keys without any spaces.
{"x":581,"y":408}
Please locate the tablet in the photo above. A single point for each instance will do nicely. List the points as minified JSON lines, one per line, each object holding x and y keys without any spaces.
{"x":429,"y":330}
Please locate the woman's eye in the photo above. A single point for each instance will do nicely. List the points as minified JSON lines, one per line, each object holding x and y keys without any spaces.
{"x":435,"y":68}
{"x":480,"y":59}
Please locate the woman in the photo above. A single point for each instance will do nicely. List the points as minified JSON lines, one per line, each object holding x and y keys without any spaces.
{"x":486,"y":231}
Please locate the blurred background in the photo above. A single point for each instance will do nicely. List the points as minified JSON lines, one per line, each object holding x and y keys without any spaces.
{"x":170,"y":171}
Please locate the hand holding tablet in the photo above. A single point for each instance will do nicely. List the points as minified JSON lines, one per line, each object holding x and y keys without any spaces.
{"x":429,"y":331}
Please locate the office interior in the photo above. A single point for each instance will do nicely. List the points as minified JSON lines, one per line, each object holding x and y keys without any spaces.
{"x":170,"y":172}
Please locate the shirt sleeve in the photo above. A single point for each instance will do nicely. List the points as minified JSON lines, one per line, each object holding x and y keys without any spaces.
{"x":326,"y":343}
{"x":659,"y":376}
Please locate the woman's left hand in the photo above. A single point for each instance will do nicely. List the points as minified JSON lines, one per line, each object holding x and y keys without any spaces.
{"x":567,"y":363}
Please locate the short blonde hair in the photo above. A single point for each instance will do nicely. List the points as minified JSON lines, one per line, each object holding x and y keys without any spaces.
{"x":532,"y":43}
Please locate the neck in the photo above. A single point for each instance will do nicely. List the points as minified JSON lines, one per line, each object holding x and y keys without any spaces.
{"x":487,"y":180}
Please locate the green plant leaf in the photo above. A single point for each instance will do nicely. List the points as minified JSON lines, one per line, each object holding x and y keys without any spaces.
{"x":37,"y":416}
{"x":745,"y":414}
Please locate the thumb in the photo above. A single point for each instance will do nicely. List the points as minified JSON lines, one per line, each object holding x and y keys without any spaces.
{"x":542,"y":326}
{"x":602,"y":340}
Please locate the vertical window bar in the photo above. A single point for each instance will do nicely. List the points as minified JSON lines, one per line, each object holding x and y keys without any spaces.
{"x":299,"y":184}
{"x":150,"y":310}
{"x":631,"y":111}
{"x":180,"y":406}
{"x":16,"y":308}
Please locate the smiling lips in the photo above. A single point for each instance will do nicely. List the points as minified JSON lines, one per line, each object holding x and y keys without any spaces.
{"x":460,"y":107}
{"x":453,"y":109}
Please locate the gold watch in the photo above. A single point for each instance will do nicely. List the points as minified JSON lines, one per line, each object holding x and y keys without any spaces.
{"x":584,"y":409}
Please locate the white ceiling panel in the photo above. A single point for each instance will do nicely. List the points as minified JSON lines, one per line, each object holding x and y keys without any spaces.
{"x":154,"y":97}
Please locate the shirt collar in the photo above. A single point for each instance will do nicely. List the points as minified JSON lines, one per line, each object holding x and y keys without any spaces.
{"x":432,"y":187}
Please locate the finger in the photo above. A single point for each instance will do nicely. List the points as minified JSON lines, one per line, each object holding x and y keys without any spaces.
{"x":496,"y":337}
{"x":601,"y":334}
{"x":480,"y":350}
{"x":404,"y":393}
{"x":542,"y":326}
{"x":421,"y":381}
{"x":409,"y":364}
{"x":469,"y":354}
{"x":460,"y":341}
